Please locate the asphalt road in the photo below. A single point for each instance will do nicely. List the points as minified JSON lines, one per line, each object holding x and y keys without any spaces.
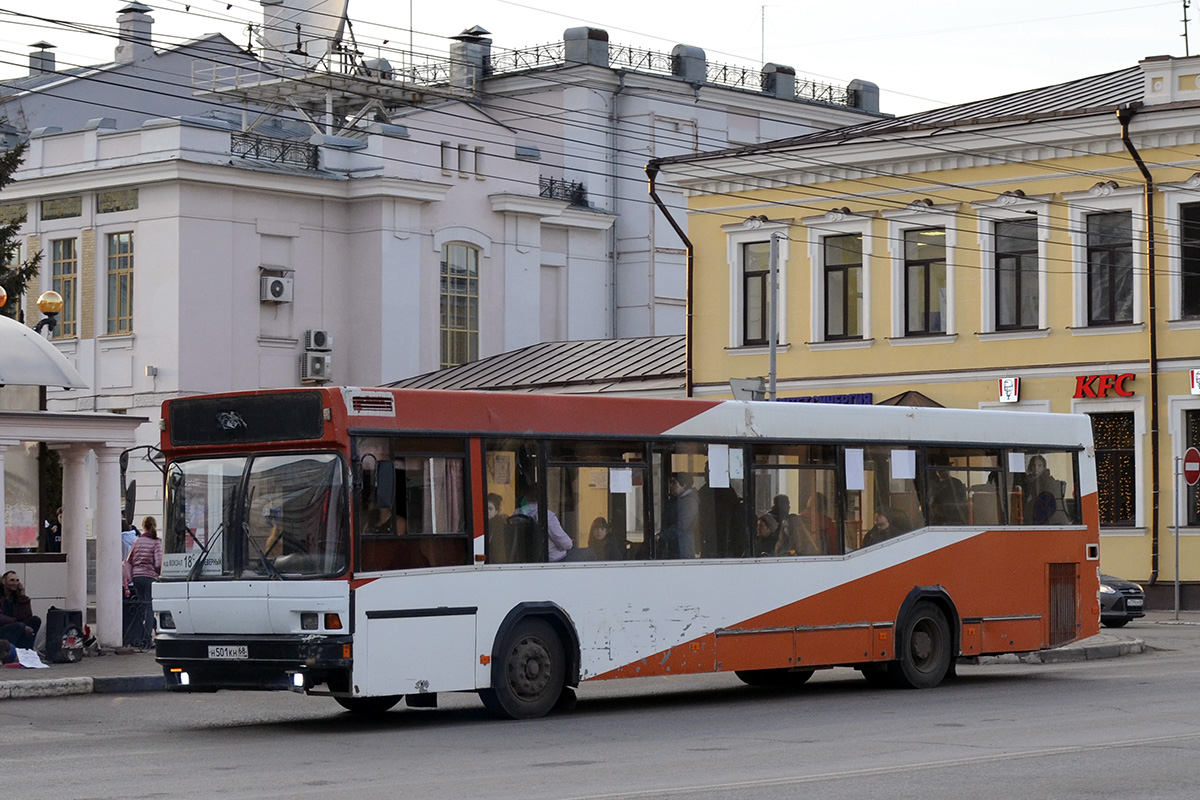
{"x":1122,"y":727}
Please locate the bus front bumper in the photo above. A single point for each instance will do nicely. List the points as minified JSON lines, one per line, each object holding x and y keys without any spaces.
{"x":197,"y":663}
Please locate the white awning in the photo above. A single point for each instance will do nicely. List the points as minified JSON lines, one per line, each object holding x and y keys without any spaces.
{"x":26,"y":359}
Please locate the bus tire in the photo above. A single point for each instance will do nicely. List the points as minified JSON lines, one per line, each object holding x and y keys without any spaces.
{"x":774,"y":678}
{"x":876,"y":675}
{"x":368,"y":706}
{"x":533,"y":672}
{"x":924,"y":657}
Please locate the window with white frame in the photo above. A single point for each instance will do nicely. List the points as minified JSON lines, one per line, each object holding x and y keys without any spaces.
{"x":756,"y":291}
{"x":922,"y":240}
{"x":1191,"y":433}
{"x":1110,"y":268}
{"x":839,"y":250}
{"x":1116,"y":474}
{"x":64,"y":265}
{"x":1107,"y":227}
{"x":1182,"y":217}
{"x":843,"y":279}
{"x":1016,"y":274}
{"x":1013,"y":237}
{"x":120,"y":283}
{"x":749,"y":258}
{"x":926,"y":303}
{"x":459,"y":304}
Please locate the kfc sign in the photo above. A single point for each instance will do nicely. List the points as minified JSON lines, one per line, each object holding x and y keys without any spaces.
{"x":1103,"y":385}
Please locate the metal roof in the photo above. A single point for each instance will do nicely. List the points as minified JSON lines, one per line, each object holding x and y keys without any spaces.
{"x":1084,"y":96}
{"x":650,"y":364}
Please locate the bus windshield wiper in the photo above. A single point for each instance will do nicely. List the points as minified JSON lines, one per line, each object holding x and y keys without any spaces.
{"x":205,"y":546}
{"x":268,"y":565}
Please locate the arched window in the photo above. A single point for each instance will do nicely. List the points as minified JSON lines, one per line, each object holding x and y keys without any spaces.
{"x":460,"y":304}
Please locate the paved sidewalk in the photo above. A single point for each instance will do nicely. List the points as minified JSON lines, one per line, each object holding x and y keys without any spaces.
{"x":129,"y":670}
{"x":120,"y":672}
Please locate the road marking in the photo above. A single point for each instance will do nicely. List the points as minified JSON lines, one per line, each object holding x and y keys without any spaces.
{"x":888,"y":770}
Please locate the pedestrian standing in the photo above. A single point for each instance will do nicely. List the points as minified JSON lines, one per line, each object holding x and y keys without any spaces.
{"x":145,"y":561}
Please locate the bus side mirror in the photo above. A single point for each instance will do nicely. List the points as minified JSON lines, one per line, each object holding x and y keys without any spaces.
{"x":385,"y":485}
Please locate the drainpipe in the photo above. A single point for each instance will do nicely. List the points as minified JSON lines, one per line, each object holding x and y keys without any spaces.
{"x":652,"y":173}
{"x":614,"y":121}
{"x":1124,"y":115}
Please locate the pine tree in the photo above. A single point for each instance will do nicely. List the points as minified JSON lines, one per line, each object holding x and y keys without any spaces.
{"x":14,"y":277}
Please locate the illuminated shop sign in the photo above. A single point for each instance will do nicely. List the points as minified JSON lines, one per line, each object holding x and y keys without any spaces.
{"x":1103,"y":385}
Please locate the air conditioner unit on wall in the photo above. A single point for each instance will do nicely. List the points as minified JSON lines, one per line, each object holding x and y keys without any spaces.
{"x":318,"y":341}
{"x":316,"y":368}
{"x":274,"y":289}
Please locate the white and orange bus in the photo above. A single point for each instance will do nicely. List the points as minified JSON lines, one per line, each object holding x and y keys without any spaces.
{"x":372,"y":545}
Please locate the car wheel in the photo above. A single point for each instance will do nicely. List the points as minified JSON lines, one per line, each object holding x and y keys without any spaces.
{"x":924,"y":658}
{"x":774,"y":678}
{"x":534,"y":672}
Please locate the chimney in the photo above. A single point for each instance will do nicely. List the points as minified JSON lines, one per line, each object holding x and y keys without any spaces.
{"x":41,"y":60}
{"x":779,"y":80}
{"x":470,"y":59}
{"x":586,"y":46}
{"x":134,"y":23}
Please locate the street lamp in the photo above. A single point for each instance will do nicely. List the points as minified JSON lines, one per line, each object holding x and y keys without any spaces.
{"x":50,"y":304}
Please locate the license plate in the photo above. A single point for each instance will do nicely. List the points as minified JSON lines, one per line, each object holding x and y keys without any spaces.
{"x":1134,"y":601}
{"x":227,"y":651}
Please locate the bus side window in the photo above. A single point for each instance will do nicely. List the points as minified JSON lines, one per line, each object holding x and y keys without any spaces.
{"x":1042,"y":488}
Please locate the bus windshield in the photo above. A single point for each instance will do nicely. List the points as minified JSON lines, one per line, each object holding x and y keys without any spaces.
{"x":267,"y":516}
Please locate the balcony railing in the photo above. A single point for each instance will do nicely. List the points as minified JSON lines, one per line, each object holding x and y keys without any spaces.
{"x":573,"y":192}
{"x":274,"y":151}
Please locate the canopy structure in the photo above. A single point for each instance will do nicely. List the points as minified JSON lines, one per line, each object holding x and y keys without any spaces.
{"x":26,"y":359}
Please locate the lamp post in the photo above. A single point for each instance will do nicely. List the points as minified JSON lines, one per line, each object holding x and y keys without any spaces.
{"x":50,"y":304}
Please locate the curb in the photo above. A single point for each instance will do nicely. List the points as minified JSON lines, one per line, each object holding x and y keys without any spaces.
{"x":1064,"y":655}
{"x":61,"y":687}
{"x":129,"y":684}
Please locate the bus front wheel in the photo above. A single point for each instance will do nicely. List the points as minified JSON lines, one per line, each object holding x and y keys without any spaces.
{"x":533,"y":672}
{"x":367,"y":705}
{"x":924,"y":657}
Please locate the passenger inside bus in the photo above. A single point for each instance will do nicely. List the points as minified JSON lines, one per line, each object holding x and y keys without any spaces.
{"x":889,"y":523}
{"x":680,"y":516}
{"x":821,"y":527}
{"x":766,"y":535}
{"x":947,"y":495}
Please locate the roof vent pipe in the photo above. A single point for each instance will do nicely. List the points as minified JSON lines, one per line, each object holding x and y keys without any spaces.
{"x":134,"y":22}
{"x":470,"y":59}
{"x":586,"y":46}
{"x":41,"y":61}
{"x":864,"y":96}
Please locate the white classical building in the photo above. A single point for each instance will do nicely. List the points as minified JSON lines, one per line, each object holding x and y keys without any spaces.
{"x":364,"y":223}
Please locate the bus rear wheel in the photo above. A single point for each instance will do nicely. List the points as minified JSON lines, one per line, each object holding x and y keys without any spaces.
{"x":533,"y":666}
{"x":924,"y":658}
{"x":367,"y":705}
{"x":774,"y":678}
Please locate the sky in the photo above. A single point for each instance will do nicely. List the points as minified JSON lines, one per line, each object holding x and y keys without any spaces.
{"x":921,"y":54}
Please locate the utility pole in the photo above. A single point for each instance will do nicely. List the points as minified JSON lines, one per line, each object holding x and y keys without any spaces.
{"x":1186,"y":5}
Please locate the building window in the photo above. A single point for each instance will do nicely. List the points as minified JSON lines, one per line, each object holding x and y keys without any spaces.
{"x":120,"y":283}
{"x":64,"y":263}
{"x":756,"y":276}
{"x":1114,"y":437}
{"x":460,"y":304}
{"x":843,"y":287}
{"x":925,"y":301}
{"x":1189,"y":262}
{"x":1110,"y":268}
{"x":1016,"y":274}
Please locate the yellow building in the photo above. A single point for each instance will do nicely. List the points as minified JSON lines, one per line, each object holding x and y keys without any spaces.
{"x":1038,"y":251}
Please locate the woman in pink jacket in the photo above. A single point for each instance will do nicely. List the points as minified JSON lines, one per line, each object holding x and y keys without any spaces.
{"x":145,"y":561}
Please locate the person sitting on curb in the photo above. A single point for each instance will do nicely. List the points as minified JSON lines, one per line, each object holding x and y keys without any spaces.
{"x":17,"y":623}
